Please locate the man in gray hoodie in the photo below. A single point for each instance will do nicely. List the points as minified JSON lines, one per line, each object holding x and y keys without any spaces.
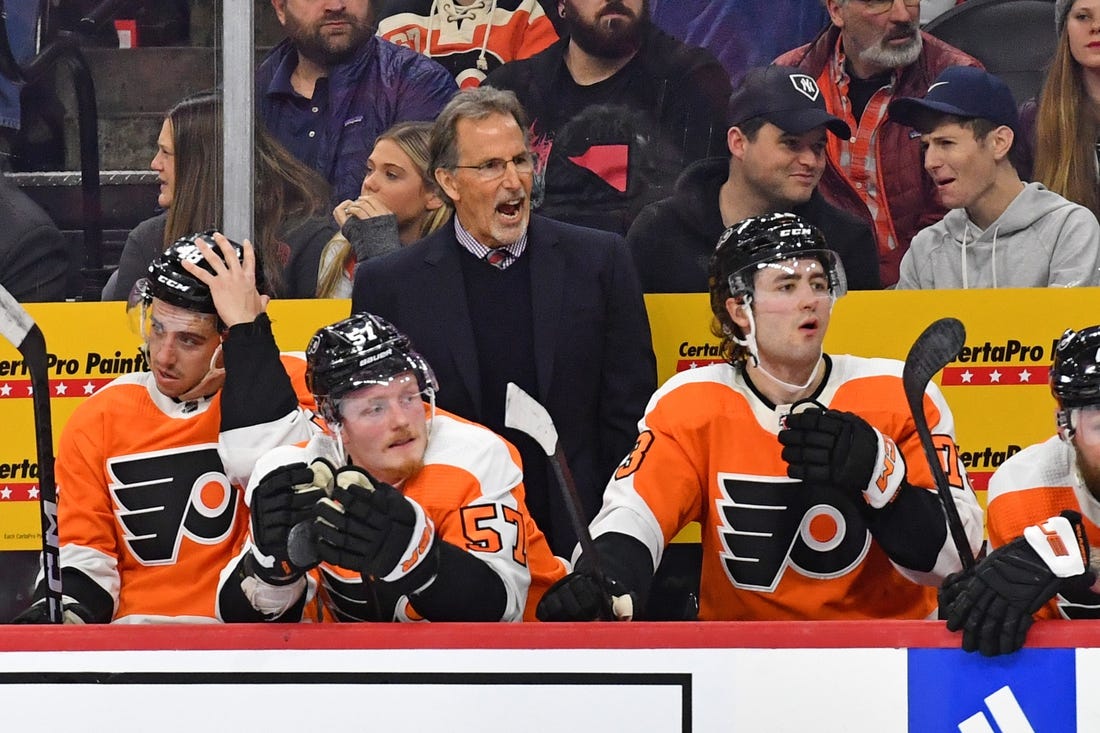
{"x":999,"y":232}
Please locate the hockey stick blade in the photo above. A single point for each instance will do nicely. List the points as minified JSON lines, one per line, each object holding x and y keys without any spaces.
{"x":523,"y":412}
{"x":17,"y":326}
{"x":935,"y":348}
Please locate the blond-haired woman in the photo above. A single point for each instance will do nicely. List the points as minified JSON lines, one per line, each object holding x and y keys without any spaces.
{"x":398,"y":204}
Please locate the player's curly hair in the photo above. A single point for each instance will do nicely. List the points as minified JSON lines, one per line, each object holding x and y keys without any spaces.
{"x":721,"y":325}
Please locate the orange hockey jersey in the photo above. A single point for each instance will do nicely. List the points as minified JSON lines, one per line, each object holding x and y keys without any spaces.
{"x":468,"y":40}
{"x":774,"y":548}
{"x":1032,"y":486}
{"x":150,"y":496}
{"x":471,"y":488}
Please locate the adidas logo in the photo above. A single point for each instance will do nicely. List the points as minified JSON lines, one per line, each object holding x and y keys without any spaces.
{"x":1005,"y":711}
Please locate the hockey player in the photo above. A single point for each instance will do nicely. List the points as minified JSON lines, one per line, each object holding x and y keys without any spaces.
{"x":804,"y":469}
{"x":151,"y":468}
{"x":1040,"y":567}
{"x":416,"y":513}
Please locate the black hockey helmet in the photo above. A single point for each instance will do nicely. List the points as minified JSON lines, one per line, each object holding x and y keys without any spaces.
{"x":170,"y":282}
{"x":356,"y":352}
{"x":1075,"y":372}
{"x":751,"y":244}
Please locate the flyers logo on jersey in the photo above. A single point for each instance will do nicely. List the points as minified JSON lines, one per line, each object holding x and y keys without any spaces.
{"x":767,"y":525}
{"x":162,"y":496}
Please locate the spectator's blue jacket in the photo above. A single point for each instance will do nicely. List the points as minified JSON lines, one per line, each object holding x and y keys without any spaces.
{"x":381,"y":85}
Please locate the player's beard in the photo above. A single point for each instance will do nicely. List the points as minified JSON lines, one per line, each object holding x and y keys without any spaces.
{"x":325,"y":51}
{"x":1089,"y":473}
{"x":885,"y":57}
{"x":597,"y":39}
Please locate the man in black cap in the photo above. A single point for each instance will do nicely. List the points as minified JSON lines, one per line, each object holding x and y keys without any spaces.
{"x":777,"y":147}
{"x":999,"y":232}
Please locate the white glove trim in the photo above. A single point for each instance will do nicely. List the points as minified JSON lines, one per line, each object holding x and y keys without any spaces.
{"x":888,"y":475}
{"x":1056,"y":544}
{"x":272,"y":600}
{"x":423,"y":535}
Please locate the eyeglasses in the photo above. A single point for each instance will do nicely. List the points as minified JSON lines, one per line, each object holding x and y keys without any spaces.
{"x":878,"y":7}
{"x":495,"y":167}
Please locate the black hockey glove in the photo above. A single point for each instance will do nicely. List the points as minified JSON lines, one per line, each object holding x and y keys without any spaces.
{"x":839,"y":449}
{"x":579,"y":597}
{"x":71,"y":613}
{"x":370,"y":527}
{"x":993,"y":603}
{"x":282,"y":499}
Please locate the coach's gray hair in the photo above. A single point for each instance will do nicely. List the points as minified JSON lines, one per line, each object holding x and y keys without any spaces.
{"x":470,"y":104}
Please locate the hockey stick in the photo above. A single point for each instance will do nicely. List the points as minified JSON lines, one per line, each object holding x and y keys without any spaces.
{"x":934,"y":349}
{"x":17,"y":326}
{"x":522,"y":412}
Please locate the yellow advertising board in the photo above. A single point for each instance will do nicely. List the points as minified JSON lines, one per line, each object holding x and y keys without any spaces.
{"x":997,"y":388}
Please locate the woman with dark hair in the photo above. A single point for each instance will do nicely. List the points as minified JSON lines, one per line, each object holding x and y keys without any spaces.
{"x":291,"y":222}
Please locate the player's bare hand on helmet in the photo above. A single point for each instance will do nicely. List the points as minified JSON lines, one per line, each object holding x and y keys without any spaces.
{"x":841,"y":450}
{"x":232,"y":281}
{"x":370,"y":527}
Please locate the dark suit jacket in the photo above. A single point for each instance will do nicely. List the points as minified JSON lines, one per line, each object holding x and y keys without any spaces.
{"x":593,"y":352}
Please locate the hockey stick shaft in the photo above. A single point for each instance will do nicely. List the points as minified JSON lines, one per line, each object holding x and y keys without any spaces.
{"x":935,"y":348}
{"x":20,"y":329}
{"x":522,"y":412}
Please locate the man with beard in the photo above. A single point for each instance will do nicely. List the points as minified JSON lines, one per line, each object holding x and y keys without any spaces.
{"x":873,"y":51}
{"x":1041,"y":566}
{"x":776,"y":141}
{"x":499,"y":295}
{"x":618,"y":109}
{"x":331,"y":87}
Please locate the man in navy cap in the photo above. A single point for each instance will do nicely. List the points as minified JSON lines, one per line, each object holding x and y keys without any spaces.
{"x":777,"y":140}
{"x":999,"y":232}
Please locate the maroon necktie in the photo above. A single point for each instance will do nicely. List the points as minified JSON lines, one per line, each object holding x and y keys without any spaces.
{"x":498,"y":258}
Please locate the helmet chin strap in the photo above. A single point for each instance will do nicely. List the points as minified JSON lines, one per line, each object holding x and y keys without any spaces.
{"x":749,"y":342}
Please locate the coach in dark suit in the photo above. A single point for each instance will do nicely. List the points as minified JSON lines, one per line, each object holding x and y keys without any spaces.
{"x":499,"y":296}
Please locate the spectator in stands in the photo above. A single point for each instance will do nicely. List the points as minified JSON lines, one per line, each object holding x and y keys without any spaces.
{"x":19,"y":18}
{"x":399,"y":203}
{"x":501,"y":295}
{"x":777,"y":154}
{"x":999,"y":232}
{"x":618,"y":109}
{"x":1063,"y":126}
{"x":331,"y":87}
{"x":35,"y":263}
{"x":469,"y":37}
{"x":291,"y":217}
{"x":871,"y":52}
